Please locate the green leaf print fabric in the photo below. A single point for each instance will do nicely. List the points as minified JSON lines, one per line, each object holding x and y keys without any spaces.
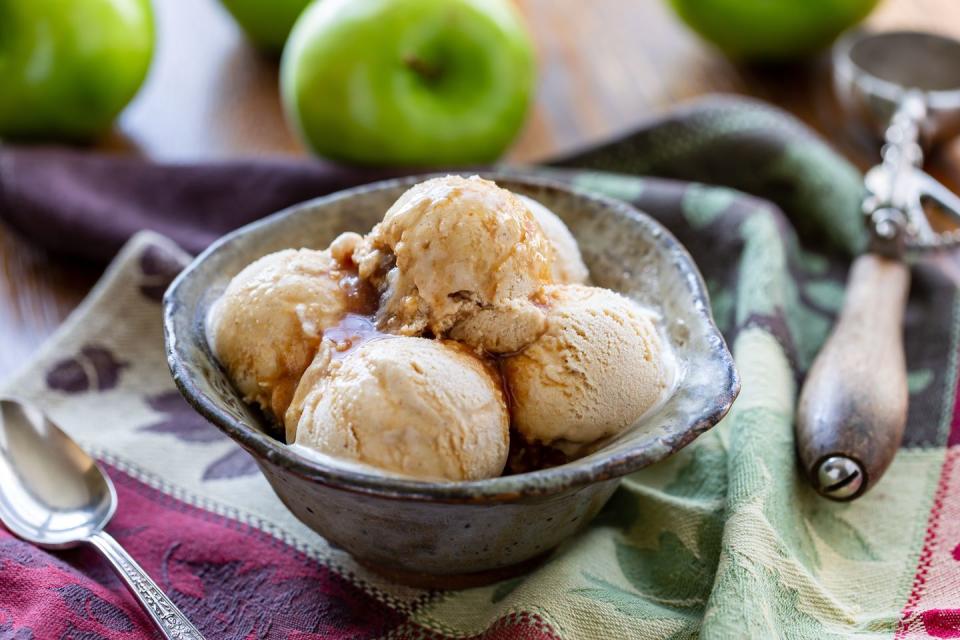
{"x":725,"y":539}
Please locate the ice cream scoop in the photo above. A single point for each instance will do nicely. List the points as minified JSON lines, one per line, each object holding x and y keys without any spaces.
{"x":417,"y":407}
{"x":266,"y":327}
{"x":568,"y":266}
{"x":600,"y":365}
{"x":449,"y":247}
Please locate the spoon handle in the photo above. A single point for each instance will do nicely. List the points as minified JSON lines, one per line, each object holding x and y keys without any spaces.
{"x":167,"y":616}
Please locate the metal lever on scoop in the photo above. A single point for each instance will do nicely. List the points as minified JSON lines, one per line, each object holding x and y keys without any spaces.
{"x":853,"y":405}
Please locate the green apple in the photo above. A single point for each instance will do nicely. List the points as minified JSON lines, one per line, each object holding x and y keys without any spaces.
{"x":408,"y":82}
{"x":266,"y":22}
{"x":67,"y":68}
{"x":771,"y":29}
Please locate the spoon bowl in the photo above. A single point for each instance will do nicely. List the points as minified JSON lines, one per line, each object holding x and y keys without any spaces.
{"x":52,"y":493}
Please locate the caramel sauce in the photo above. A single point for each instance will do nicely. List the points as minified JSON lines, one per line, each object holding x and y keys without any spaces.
{"x":498,"y":363}
{"x":531,"y":456}
{"x":352,"y":331}
{"x":362,"y":298}
{"x":357,"y":326}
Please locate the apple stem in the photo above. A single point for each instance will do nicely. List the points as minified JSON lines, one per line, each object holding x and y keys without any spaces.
{"x":421,"y":67}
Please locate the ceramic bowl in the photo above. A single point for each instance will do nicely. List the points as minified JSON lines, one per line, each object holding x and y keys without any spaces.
{"x":450,"y":534}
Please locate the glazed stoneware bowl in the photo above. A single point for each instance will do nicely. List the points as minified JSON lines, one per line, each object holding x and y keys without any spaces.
{"x":451,"y":534}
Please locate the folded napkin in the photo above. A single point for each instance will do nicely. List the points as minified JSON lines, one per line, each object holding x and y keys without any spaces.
{"x":722,"y":540}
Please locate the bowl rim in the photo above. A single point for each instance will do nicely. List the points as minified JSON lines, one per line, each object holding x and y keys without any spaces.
{"x":511,"y":488}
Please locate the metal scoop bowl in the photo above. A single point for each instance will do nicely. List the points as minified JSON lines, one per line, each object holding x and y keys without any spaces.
{"x":873,"y":72}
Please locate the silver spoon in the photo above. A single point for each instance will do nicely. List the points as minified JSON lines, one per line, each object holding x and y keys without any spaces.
{"x":56,"y":496}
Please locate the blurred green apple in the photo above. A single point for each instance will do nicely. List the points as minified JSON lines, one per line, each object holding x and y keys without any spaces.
{"x":408,"y":82}
{"x":771,"y":29}
{"x":266,"y":22}
{"x":67,"y":68}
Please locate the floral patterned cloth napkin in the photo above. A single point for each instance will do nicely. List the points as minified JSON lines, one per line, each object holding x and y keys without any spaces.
{"x":722,"y":540}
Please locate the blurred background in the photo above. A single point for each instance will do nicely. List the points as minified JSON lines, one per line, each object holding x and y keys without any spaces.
{"x":603,"y":67}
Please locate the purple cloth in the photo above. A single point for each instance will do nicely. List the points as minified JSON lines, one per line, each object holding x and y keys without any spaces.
{"x":86,"y":205}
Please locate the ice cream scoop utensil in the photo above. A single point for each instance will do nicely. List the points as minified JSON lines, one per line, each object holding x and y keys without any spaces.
{"x":853,"y":405}
{"x":56,"y":496}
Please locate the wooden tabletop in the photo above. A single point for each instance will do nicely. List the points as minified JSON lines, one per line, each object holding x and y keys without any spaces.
{"x":605,"y":66}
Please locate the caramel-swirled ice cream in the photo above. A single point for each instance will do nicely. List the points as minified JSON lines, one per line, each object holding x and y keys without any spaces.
{"x":458,"y":329}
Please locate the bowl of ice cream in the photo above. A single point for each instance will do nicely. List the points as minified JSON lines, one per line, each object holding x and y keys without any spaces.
{"x":447,"y":377}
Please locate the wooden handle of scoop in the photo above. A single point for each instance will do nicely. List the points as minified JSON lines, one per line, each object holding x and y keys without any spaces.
{"x":853,"y":406}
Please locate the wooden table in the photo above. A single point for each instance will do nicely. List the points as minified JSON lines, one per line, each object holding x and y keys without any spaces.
{"x":605,"y":66}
